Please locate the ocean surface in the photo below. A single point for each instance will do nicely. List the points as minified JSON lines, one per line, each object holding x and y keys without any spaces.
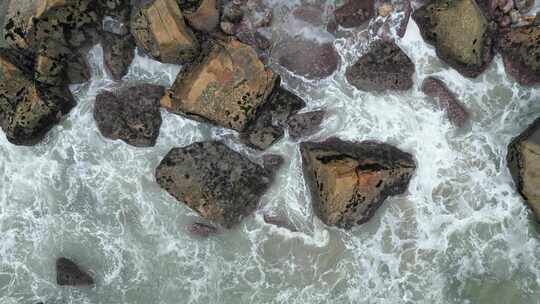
{"x":461,"y":234}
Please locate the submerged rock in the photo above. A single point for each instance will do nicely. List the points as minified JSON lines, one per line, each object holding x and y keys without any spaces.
{"x":384,"y":67}
{"x":279,"y":220}
{"x":227,"y":87}
{"x":355,"y":13}
{"x":524,"y":163}
{"x":130,"y":114}
{"x":349,"y":181}
{"x":118,"y":53}
{"x":28,"y":109}
{"x":435,"y":88}
{"x":202,"y":230}
{"x":160,"y":31}
{"x":70,"y":274}
{"x":520,"y":48}
{"x":305,"y":124}
{"x":220,"y":184}
{"x":460,"y":33}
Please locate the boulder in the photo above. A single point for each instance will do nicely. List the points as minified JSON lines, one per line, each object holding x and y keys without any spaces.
{"x":160,"y":31}
{"x":56,"y":64}
{"x":349,"y":181}
{"x":279,"y":219}
{"x":384,"y":67}
{"x":520,"y":49}
{"x":118,"y":53}
{"x":457,"y":114}
{"x":227,"y":87}
{"x":355,"y":13}
{"x":28,"y":109}
{"x":130,"y":114}
{"x":206,"y":17}
{"x":70,"y":274}
{"x":268,"y":126}
{"x":305,"y":124}
{"x":460,"y":33}
{"x":524,"y":163}
{"x":220,"y":184}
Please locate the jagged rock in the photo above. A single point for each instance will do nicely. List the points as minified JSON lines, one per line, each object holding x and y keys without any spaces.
{"x":70,"y":274}
{"x":202,"y":230}
{"x":460,"y":33}
{"x":130,"y":114}
{"x":520,"y":48}
{"x":118,"y":53}
{"x":456,"y":113}
{"x":355,"y":13}
{"x":524,"y":163}
{"x":384,"y":67}
{"x":206,"y":17}
{"x":227,"y":87}
{"x":267,"y":127}
{"x":349,"y":181}
{"x":28,"y":110}
{"x":305,"y":124}
{"x":160,"y":31}
{"x":220,"y":184}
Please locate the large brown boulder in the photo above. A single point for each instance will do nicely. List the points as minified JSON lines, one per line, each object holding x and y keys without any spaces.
{"x":520,"y":48}
{"x":227,"y":87}
{"x":524,"y":163}
{"x":130,"y":114}
{"x":384,"y":67}
{"x":28,"y":109}
{"x":220,"y":184}
{"x":161,"y":32}
{"x":349,"y":181}
{"x":434,"y":87}
{"x":68,"y":273}
{"x":460,"y":33}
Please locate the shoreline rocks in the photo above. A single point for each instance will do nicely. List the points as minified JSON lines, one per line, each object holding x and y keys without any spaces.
{"x":457,"y":114}
{"x":520,"y":49}
{"x":354,"y":13}
{"x":68,"y":273}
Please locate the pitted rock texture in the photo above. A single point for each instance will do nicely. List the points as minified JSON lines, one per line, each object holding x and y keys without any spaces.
{"x":130,"y":114}
{"x":220,"y":184}
{"x":457,"y":114}
{"x":227,"y":87}
{"x":384,"y":67}
{"x":70,"y":274}
{"x":161,"y":32}
{"x":349,"y":181}
{"x":305,"y":124}
{"x":460,"y":33}
{"x":118,"y":53}
{"x":520,"y":48}
{"x":524,"y":163}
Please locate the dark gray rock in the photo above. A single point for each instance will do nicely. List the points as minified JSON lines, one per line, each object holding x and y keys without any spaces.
{"x":118,"y":53}
{"x":305,"y":124}
{"x":202,"y":230}
{"x":70,"y":274}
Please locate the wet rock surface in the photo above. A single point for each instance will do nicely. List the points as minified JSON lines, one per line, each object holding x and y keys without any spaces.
{"x":279,"y":220}
{"x":354,"y":13}
{"x":524,"y":163}
{"x":520,"y":48}
{"x":349,"y":181}
{"x":70,"y":274}
{"x":384,"y":67}
{"x":227,"y":87}
{"x":118,"y":53}
{"x":457,"y":114}
{"x":460,"y":33}
{"x":130,"y":114}
{"x":220,"y":184}
{"x":305,"y":124}
{"x":202,"y":230}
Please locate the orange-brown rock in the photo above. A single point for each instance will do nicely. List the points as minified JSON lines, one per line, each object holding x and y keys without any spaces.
{"x":206,"y":17}
{"x":161,"y":32}
{"x":349,"y":181}
{"x":227,"y":87}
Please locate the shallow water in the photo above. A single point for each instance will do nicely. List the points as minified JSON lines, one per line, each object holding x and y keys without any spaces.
{"x":461,"y":234}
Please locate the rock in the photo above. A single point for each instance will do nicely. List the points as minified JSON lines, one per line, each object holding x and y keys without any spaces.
{"x":227,"y":87}
{"x":119,"y":9}
{"x":407,"y":11}
{"x":524,"y":163}
{"x":267,"y":127}
{"x":524,"y":5}
{"x":254,"y":38}
{"x":520,"y":49}
{"x":189,"y":5}
{"x":349,"y":181}
{"x":28,"y":109}
{"x":220,"y":184}
{"x":118,"y":53}
{"x":202,"y":230}
{"x":206,"y":17}
{"x":323,"y":59}
{"x":70,"y":274}
{"x":354,"y":13}
{"x":385,"y":9}
{"x":460,"y":33}
{"x":272,"y":163}
{"x":160,"y":31}
{"x":232,"y":12}
{"x":78,"y":69}
{"x":279,"y":220}
{"x":311,"y":14}
{"x":456,"y":113}
{"x":384,"y":67}
{"x":130,"y":114}
{"x":305,"y":124}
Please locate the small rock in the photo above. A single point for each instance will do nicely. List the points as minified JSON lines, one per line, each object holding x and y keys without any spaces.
{"x":70,"y":274}
{"x":118,"y":53}
{"x":202,"y":230}
{"x":354,"y":13}
{"x":457,"y":114}
{"x":206,"y":17}
{"x":305,"y":124}
{"x":279,"y":221}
